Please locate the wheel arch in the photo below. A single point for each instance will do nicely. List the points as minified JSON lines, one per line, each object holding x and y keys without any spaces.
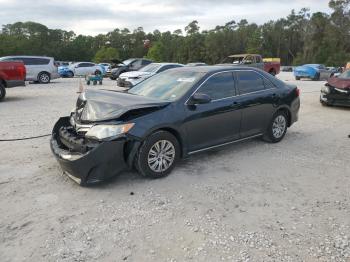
{"x":2,"y":81}
{"x":41,"y":72}
{"x":287,"y":111}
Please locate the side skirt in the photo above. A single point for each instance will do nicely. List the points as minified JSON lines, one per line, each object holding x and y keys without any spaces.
{"x":225,"y":144}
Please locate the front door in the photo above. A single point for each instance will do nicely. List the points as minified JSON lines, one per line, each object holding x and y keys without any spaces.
{"x":216,"y":122}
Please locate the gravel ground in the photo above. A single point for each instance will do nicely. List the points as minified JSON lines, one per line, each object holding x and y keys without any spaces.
{"x":252,"y":201}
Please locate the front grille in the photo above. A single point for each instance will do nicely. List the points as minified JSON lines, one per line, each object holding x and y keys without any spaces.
{"x":73,"y":141}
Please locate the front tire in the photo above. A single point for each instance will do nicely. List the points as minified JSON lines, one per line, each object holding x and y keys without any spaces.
{"x":277,"y":128}
{"x":2,"y":91}
{"x":44,"y":78}
{"x":158,"y":155}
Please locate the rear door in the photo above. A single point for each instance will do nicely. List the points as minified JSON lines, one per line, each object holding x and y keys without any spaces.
{"x":257,"y":98}
{"x":216,"y":122}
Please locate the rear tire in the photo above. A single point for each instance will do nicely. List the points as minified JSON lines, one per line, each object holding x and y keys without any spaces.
{"x":2,"y":91}
{"x":277,"y":128}
{"x":44,"y":78}
{"x":158,"y":155}
{"x":272,"y":72}
{"x":317,"y":77}
{"x":70,"y":74}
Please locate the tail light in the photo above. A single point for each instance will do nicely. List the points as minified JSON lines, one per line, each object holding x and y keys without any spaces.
{"x":297,"y":91}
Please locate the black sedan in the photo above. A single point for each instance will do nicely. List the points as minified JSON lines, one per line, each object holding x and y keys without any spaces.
{"x":170,"y":116}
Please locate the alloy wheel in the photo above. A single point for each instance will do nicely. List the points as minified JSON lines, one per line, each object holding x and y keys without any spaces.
{"x":161,"y":156}
{"x":279,"y":126}
{"x":44,"y":78}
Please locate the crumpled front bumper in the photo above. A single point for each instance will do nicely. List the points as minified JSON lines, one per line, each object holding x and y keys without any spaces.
{"x":336,"y":97}
{"x":104,"y":161}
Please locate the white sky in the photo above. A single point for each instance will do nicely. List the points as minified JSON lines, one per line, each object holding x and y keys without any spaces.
{"x":93,"y":17}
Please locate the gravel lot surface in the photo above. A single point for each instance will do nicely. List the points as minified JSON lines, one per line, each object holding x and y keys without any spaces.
{"x":251,"y":201}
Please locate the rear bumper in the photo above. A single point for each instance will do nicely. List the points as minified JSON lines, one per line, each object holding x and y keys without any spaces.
{"x":96,"y":165}
{"x":55,"y":75}
{"x":14,"y":83}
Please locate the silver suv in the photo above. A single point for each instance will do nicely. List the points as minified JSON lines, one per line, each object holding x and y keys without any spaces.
{"x":40,"y":69}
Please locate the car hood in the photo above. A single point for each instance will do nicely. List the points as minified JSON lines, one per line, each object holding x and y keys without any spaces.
{"x":103,"y":105}
{"x":340,"y":83}
{"x":133,"y":74}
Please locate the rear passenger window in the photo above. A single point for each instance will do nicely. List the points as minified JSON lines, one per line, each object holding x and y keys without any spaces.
{"x":35,"y":61}
{"x":219,"y":86}
{"x":249,"y":82}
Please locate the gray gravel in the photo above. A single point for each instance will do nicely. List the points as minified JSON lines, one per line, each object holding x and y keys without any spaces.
{"x":252,"y":201}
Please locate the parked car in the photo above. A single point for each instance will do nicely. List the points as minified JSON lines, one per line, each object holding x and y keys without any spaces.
{"x":253,"y":60}
{"x":287,"y":68}
{"x":337,"y":91}
{"x":132,"y":64}
{"x":130,"y":79}
{"x":314,"y":72}
{"x":85,"y":68}
{"x":12,"y":74}
{"x":107,"y":66}
{"x":65,"y":71}
{"x":170,"y":116}
{"x":40,"y":69}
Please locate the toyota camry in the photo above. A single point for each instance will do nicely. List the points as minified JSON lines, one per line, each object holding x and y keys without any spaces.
{"x":171,"y":116}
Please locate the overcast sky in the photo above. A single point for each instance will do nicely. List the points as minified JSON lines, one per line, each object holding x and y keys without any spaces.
{"x":94,"y":17}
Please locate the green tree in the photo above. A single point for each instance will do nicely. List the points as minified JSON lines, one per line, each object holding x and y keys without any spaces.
{"x":106,"y":54}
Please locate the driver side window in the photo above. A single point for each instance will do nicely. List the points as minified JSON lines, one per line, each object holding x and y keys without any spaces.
{"x":219,"y":86}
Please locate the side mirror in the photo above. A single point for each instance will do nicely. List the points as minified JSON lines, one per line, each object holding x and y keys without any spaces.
{"x":199,"y":98}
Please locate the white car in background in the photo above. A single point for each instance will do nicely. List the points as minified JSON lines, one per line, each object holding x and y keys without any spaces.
{"x":86,"y":68}
{"x":132,"y":78}
{"x":40,"y":69}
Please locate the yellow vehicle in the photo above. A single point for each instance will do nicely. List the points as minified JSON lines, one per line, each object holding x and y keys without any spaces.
{"x":347,"y":67}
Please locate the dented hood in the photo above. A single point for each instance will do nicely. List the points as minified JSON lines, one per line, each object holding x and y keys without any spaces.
{"x":101,"y":105}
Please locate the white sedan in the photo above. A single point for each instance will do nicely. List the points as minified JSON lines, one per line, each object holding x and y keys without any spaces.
{"x":130,"y":79}
{"x":86,"y":68}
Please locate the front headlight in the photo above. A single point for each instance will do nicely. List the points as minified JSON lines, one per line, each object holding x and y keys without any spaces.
{"x":325,"y":90}
{"x":107,"y":131}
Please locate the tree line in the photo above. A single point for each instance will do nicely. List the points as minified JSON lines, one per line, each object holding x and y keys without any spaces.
{"x":301,"y":37}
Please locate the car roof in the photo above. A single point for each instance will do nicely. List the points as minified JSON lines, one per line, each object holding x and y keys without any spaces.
{"x":28,"y":56}
{"x":240,"y":55}
{"x":216,"y":68}
{"x":164,"y":64}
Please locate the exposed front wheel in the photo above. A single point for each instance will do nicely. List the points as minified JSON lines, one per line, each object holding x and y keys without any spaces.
{"x":2,"y":91}
{"x":44,"y":78}
{"x":158,"y":155}
{"x":277,"y":128}
{"x":272,"y":72}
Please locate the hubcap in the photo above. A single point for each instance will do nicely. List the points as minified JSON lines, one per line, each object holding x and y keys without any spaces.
{"x":161,"y":156}
{"x":44,"y":78}
{"x":279,"y":126}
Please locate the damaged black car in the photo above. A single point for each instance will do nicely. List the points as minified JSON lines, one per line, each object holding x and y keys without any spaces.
{"x":168,"y":117}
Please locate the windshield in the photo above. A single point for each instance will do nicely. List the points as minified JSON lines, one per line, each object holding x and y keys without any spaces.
{"x":128,"y":61}
{"x":233,"y":60}
{"x":168,"y":85}
{"x":150,"y":68}
{"x":345,"y":75}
